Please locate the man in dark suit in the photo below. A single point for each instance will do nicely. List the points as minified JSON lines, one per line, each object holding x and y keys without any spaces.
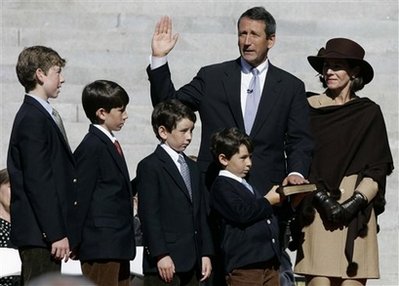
{"x":176,"y":235}
{"x":221,"y":93}
{"x":41,"y":168}
{"x":105,"y":212}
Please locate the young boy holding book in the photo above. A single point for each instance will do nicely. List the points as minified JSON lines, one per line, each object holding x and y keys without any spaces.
{"x":249,"y":228}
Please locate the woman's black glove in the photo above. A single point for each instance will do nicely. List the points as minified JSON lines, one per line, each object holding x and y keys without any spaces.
{"x":337,"y":213}
{"x":352,"y":206}
{"x":328,"y":207}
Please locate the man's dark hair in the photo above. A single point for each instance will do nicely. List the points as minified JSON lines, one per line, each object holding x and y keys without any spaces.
{"x":260,"y":14}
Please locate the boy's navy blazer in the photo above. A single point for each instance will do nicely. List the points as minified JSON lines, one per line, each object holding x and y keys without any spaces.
{"x":105,"y":200}
{"x":42,"y":176}
{"x":249,"y":229}
{"x":172,"y":224}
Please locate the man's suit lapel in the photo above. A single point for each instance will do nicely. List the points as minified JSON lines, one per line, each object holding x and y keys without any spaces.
{"x":32,"y":102}
{"x":120,"y":162}
{"x":171,"y":168}
{"x":269,"y":96}
{"x":232,"y":86}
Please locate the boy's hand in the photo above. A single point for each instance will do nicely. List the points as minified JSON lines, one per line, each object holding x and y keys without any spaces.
{"x":60,"y":249}
{"x":206,"y":268}
{"x":166,"y":268}
{"x":163,"y":41}
{"x":273,"y":196}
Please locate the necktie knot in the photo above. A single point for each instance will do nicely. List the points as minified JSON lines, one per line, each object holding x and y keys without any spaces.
{"x":60,"y":124}
{"x":255,"y":72}
{"x":181,"y":160}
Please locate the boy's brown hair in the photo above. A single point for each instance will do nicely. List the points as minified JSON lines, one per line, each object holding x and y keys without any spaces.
{"x":33,"y":58}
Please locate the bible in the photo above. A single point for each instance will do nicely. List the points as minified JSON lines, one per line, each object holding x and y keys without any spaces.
{"x":296,"y":189}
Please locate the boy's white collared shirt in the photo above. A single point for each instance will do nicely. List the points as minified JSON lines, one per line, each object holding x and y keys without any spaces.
{"x":228,"y":174}
{"x":172,"y":153}
{"x":106,"y":132}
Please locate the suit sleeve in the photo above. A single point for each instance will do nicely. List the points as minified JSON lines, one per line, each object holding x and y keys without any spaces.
{"x":36,"y":143}
{"x":299,"y":143}
{"x":235,"y":207}
{"x":162,"y":87}
{"x":149,"y":210}
{"x":86,"y":160}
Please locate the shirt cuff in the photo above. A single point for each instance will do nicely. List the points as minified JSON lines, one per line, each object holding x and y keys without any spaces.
{"x":156,"y":62}
{"x":296,"y":173}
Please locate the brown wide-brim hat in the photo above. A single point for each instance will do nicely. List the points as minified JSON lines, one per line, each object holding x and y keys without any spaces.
{"x":341,"y":48}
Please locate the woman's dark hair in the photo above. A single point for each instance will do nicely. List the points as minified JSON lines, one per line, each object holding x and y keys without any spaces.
{"x":356,"y":84}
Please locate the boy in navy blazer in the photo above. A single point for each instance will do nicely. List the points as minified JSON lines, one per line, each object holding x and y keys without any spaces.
{"x":41,"y":168}
{"x":105,"y":201}
{"x":171,"y":205}
{"x":249,"y":229}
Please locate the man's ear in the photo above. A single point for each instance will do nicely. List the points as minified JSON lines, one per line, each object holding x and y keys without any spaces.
{"x":223,"y":160}
{"x":162,"y":132}
{"x":271,"y":40}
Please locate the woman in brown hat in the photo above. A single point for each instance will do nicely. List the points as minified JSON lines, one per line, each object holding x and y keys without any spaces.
{"x":336,"y":231}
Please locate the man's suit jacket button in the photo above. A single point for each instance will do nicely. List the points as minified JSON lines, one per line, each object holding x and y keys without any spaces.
{"x":75,"y":203}
{"x":147,"y":250}
{"x":268,"y":221}
{"x":195,"y":232}
{"x":75,"y":180}
{"x":273,"y":240}
{"x":44,"y":235}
